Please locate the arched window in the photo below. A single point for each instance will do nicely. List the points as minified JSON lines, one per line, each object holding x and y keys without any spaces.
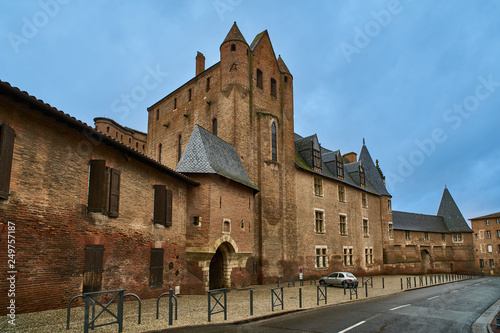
{"x":159,"y":152}
{"x":273,"y":142}
{"x":214,"y":126}
{"x":179,"y":148}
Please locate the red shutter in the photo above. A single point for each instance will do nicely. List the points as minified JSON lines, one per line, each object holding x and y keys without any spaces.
{"x":159,"y":204}
{"x":97,"y":186}
{"x":114,"y":193}
{"x":168,"y":221}
{"x":7,"y":136}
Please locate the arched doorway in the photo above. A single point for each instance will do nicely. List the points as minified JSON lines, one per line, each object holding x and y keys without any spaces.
{"x":216,"y":275}
{"x":426,"y":260}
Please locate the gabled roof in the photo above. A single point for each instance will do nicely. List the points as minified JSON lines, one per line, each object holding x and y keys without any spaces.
{"x":234,"y":34}
{"x":282,"y":66}
{"x":452,"y":216}
{"x":490,"y":216}
{"x":371,"y":172}
{"x":256,"y":40}
{"x":209,"y":154}
{"x":38,"y":105}
{"x":418,"y":222}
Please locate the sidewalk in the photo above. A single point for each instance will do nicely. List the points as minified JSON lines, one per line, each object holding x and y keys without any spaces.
{"x":193,"y":309}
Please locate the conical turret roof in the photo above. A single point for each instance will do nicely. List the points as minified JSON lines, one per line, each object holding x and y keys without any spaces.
{"x":235,"y":34}
{"x":451,"y":215}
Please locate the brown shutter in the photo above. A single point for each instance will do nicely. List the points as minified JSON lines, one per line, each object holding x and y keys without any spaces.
{"x":7,"y":136}
{"x":156,"y":268}
{"x":159,"y":204}
{"x":97,"y":186}
{"x":92,"y":271}
{"x":114,"y":193}
{"x":168,"y":221}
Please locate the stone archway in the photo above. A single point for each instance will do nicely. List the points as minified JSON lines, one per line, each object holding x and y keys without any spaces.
{"x":221,"y":265}
{"x":426,"y":261}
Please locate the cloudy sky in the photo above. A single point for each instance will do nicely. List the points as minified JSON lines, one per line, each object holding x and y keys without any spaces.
{"x":418,"y":80}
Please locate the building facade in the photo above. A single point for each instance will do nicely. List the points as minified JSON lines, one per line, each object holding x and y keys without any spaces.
{"x":487,"y":243}
{"x":219,"y":193}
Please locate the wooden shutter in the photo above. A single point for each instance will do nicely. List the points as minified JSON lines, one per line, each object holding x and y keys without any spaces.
{"x":159,"y":204}
{"x":7,"y":136}
{"x":156,"y":268}
{"x":168,"y":218}
{"x":97,"y":186}
{"x":114,"y":192}
{"x":92,"y":271}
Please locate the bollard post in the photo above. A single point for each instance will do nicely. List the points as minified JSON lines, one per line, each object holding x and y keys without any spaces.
{"x":170,"y":306}
{"x":251,"y":302}
{"x":383,"y":284}
{"x":426,"y":280}
{"x":366,"y":289}
{"x":401,"y":283}
{"x":300,"y":298}
{"x":415,"y":281}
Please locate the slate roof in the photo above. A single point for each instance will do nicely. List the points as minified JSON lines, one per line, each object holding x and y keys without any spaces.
{"x":207,"y":153}
{"x":38,"y":105}
{"x":418,"y":222}
{"x":490,"y":216}
{"x":303,"y":160}
{"x":452,"y":216}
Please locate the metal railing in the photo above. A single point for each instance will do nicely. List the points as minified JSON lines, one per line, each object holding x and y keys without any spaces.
{"x":89,"y":323}
{"x":321,"y":294}
{"x":223,"y":307}
{"x":139,"y":300}
{"x":171,"y":299}
{"x":277,"y":298}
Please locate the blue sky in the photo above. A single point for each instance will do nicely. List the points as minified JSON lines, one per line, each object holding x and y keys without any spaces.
{"x":419,"y":80}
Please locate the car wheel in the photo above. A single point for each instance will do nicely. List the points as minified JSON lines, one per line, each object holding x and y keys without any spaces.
{"x":322,"y":282}
{"x":345,"y":284}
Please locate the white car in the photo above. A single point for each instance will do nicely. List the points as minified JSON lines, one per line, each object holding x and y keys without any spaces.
{"x":343,"y":279}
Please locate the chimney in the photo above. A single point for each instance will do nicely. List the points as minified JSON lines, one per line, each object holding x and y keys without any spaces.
{"x":351,"y":157}
{"x":200,"y":63}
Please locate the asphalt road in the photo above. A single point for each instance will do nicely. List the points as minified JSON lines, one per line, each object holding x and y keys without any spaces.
{"x":452,"y":307}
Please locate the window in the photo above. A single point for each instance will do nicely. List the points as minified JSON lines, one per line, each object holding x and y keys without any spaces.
{"x":137,"y":145}
{"x":286,"y":79}
{"x":96,"y":201}
{"x":189,"y":95}
{"x":481,"y":247}
{"x":226,"y":227}
{"x":233,"y":47}
{"x":157,"y":115}
{"x":389,"y":205}
{"x":391,"y":231}
{"x":129,"y":140}
{"x":361,"y":176}
{"x":488,"y":234}
{"x":107,"y":129}
{"x":340,"y":167}
{"x":443,"y":237}
{"x":481,"y":263}
{"x":321,"y":258}
{"x":343,"y":225}
{"x":492,"y":263}
{"x":498,"y":233}
{"x":207,"y":88}
{"x":259,"y":79}
{"x":364,"y":200}
{"x":341,"y":193}
{"x":179,"y":148}
{"x":497,"y":221}
{"x":274,"y":148}
{"x":93,"y":267}
{"x":159,"y":153}
{"x":316,"y":159}
{"x":487,"y":222}
{"x":318,"y":186}
{"x":407,"y":235}
{"x":498,"y":248}
{"x":426,"y":236}
{"x":481,"y":234}
{"x":162,"y":206}
{"x":116,"y":135}
{"x":273,"y":87}
{"x":365,"y":228}
{"x":457,"y":237}
{"x":320,"y":223}
{"x":214,"y":126}
{"x":7,"y":136}
{"x":369,"y":255}
{"x":348,"y":256}
{"x":156,"y":268}
{"x":490,"y":248}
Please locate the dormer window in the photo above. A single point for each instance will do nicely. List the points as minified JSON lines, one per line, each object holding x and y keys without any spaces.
{"x":361,"y":176}
{"x":340,"y":167}
{"x":317,"y":159}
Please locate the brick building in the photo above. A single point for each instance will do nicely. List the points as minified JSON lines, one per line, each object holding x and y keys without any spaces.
{"x":487,"y":243}
{"x":223,"y":194}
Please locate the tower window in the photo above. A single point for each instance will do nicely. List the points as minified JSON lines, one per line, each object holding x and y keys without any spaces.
{"x":189,"y":95}
{"x":286,"y":79}
{"x":214,"y":126}
{"x":273,"y":87}
{"x":274,"y":150}
{"x":259,"y":79}
{"x":159,"y":153}
{"x":157,"y":114}
{"x":233,"y":47}
{"x":208,"y":84}
{"x":361,"y":176}
{"x":175,"y":103}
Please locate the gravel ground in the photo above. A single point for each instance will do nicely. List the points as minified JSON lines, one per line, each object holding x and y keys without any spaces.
{"x":192,"y":309}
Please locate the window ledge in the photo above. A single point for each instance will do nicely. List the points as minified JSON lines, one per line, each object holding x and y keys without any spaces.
{"x":271,"y":162}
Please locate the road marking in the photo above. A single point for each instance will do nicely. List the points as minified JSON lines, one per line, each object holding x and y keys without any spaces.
{"x":433,"y":297}
{"x":454,"y":291}
{"x":350,"y":328}
{"x":399,"y":307}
